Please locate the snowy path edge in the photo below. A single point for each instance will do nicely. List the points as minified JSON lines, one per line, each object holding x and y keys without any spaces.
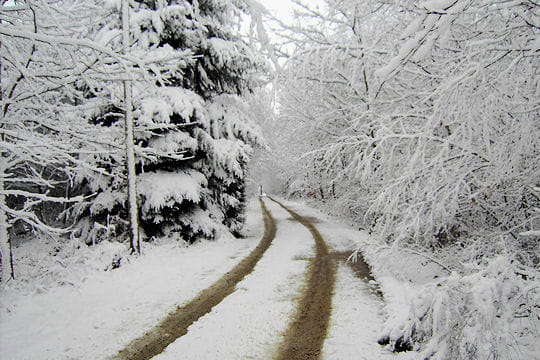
{"x":176,"y":324}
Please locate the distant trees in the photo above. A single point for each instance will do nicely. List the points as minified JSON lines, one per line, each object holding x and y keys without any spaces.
{"x":327,"y":94}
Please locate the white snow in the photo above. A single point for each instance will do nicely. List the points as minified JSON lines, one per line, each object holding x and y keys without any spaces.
{"x":248,"y":324}
{"x":356,"y":322}
{"x":437,"y":5}
{"x":163,"y":188}
{"x":94,"y":313}
{"x":173,"y":142}
{"x":106,"y":200}
{"x":102,"y":312}
{"x":169,"y":101}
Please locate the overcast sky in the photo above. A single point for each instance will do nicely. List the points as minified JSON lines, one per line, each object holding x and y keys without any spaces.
{"x":280,"y":8}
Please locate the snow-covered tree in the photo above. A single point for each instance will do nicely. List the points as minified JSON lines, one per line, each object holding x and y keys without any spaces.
{"x":420,"y":118}
{"x":464,"y":73}
{"x":45,"y":49}
{"x":326,"y":95}
{"x":192,"y":131}
{"x":421,"y":130}
{"x":53,"y":58}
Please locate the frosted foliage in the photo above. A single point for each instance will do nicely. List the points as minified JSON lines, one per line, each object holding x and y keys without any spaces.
{"x":230,"y":54}
{"x":229,"y":200}
{"x":150,"y":24}
{"x":168,"y":101}
{"x":161,"y":189}
{"x":223,"y":132}
{"x":423,"y":155}
{"x":228,"y":155}
{"x":203,"y":222}
{"x":487,"y":313}
{"x":231,"y":135}
{"x":231,"y":119}
{"x":107,"y":200}
{"x":47,"y":49}
{"x":172,"y":143}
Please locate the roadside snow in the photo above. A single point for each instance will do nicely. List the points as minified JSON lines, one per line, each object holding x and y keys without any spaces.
{"x":98,"y":312}
{"x":249,"y":323}
{"x":356,"y":322}
{"x":358,"y":318}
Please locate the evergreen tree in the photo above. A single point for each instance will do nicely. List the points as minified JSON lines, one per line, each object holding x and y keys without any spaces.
{"x":193,"y":134}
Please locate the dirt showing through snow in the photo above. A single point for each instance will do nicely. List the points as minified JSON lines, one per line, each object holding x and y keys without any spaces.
{"x":176,"y":324}
{"x":306,"y":333}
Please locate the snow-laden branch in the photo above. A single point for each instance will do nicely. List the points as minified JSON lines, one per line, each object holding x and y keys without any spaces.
{"x":32,"y":219}
{"x":44,"y":197}
{"x":60,"y":40}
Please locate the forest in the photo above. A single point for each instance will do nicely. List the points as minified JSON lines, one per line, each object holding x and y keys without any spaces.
{"x":129,"y":123}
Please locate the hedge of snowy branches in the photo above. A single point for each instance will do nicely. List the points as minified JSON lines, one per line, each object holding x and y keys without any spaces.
{"x":489,"y":310}
{"x":419,"y":121}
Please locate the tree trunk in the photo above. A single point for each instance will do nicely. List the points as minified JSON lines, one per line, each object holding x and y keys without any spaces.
{"x":130,"y":148}
{"x":7,"y":271}
{"x":5,"y":244}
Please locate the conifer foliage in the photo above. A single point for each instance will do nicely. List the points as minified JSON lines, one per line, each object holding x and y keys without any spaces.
{"x":192,"y":132}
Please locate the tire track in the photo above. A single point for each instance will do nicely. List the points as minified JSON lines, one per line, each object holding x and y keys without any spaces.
{"x":176,"y":324}
{"x":306,"y":334}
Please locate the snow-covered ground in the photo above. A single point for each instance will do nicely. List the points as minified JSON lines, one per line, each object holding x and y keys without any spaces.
{"x":356,"y":322}
{"x":248,"y":324}
{"x":99,"y":312}
{"x":96,"y":313}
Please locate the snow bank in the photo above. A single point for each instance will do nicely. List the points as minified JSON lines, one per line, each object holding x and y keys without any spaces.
{"x":356,"y":322}
{"x":483,"y":312}
{"x":490,"y":312}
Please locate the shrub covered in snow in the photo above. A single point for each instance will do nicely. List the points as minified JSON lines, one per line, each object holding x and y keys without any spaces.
{"x":48,"y":262}
{"x":490,"y":312}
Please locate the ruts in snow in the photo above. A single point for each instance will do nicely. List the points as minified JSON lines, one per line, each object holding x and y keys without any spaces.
{"x":176,"y":324}
{"x":276,"y":308}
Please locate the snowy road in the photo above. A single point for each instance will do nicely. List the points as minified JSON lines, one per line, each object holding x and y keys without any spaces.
{"x":282,"y":309}
{"x":297,"y":299}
